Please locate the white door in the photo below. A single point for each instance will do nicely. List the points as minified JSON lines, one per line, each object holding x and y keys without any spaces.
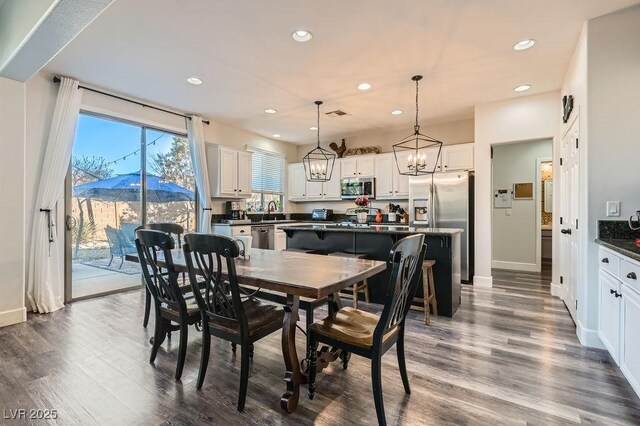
{"x":400,"y":182}
{"x":385,"y":169}
{"x":349,"y":168}
{"x":244,"y":174}
{"x":297,"y":182}
{"x":228,"y":172}
{"x":331,"y":188}
{"x":457,"y":157}
{"x":366,"y":166}
{"x":569,"y":212}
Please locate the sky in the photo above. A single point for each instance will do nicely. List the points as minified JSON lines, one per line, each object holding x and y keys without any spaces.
{"x":112,"y":140}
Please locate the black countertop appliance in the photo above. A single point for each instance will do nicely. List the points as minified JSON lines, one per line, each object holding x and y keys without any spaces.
{"x":322,"y":215}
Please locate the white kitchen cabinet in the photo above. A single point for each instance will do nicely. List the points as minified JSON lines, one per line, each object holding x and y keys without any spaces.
{"x":630,"y":348}
{"x":302,"y":190}
{"x":229,"y":172}
{"x":457,"y":157}
{"x":390,"y":184}
{"x":619,"y":312}
{"x":230,"y":231}
{"x":297,"y":182}
{"x":358,"y":166}
{"x":609,"y":318}
{"x":280,"y":240}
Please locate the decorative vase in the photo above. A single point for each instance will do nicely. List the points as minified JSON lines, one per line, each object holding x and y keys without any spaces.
{"x":378,"y":216}
{"x":362,"y":217}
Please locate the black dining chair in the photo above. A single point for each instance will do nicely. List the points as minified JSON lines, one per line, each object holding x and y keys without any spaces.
{"x":365,"y":334}
{"x":171,"y":305}
{"x":227,"y":311}
{"x":175,"y":231}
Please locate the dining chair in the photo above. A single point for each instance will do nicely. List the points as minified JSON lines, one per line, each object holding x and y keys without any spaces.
{"x":368,"y":335}
{"x":171,"y":305}
{"x":227,"y":311}
{"x":175,"y":231}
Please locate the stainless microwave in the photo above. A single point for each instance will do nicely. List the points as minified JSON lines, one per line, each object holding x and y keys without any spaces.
{"x":352,"y":188}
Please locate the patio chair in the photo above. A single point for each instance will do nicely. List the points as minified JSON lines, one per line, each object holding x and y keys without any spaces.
{"x":129,"y":230}
{"x":119,"y":244}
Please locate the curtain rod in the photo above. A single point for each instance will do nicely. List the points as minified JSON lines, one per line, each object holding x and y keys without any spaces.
{"x":56,"y":79}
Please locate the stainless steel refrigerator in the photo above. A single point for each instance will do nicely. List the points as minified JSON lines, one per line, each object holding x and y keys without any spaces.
{"x":449,"y":197}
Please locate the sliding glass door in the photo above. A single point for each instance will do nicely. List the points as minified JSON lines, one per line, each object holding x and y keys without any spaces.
{"x":121,"y":175}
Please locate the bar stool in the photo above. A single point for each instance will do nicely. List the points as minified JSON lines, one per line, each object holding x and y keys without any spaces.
{"x":364,"y":285}
{"x":428,"y":288}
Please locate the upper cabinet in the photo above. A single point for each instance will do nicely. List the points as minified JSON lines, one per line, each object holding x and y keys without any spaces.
{"x":389,"y":182}
{"x":229,"y":172}
{"x":360,"y":166}
{"x":301,"y":190}
{"x":457,"y":157}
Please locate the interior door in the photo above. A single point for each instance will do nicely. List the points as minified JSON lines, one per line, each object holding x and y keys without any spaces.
{"x":569,"y":213}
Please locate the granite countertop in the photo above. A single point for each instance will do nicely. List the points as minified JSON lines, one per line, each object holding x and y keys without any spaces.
{"x":379,"y":229}
{"x":262,"y":222}
{"x":624,"y":247}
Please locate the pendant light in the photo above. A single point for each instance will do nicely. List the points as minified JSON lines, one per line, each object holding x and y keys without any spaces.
{"x":417,"y":154}
{"x":318,"y":163}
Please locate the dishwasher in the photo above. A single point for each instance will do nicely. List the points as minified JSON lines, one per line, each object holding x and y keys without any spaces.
{"x":262,"y":237}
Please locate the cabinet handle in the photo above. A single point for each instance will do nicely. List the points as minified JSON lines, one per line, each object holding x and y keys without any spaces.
{"x":618,"y":294}
{"x":239,"y":190}
{"x":605,"y":260}
{"x":632,"y":276}
{"x":390,"y":192}
{"x":242,"y":231}
{"x":446,"y":166}
{"x":612,"y":291}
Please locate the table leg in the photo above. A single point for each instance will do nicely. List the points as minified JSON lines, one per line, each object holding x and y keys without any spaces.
{"x":292,"y":375}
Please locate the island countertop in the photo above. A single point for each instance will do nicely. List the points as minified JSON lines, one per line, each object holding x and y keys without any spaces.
{"x":377,"y":229}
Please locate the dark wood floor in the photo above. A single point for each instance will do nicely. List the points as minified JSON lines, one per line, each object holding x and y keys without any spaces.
{"x":510,"y":356}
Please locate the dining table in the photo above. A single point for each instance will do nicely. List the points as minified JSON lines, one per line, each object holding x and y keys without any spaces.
{"x":294,"y":275}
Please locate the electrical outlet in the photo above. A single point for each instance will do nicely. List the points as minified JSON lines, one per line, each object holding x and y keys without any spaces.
{"x":507,"y":212}
{"x":613,"y":208}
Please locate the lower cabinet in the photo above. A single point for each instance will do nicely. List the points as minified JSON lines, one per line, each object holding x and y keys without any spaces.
{"x":619,"y":316}
{"x":630,"y":356}
{"x":280,"y":240}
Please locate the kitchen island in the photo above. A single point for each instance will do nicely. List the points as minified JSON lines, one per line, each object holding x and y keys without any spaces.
{"x":375,"y":241}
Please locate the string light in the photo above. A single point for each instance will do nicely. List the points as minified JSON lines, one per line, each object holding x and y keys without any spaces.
{"x":117,"y":160}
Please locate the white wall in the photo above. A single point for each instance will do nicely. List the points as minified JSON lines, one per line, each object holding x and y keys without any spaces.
{"x":12,"y":146}
{"x":522,"y":119}
{"x":516,"y":237}
{"x":613,"y":126}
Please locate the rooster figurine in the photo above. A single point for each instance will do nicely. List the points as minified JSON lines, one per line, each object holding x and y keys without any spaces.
{"x":338,"y":150}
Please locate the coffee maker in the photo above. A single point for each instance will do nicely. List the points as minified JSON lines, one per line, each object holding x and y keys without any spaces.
{"x":421,"y":211}
{"x":233,"y":210}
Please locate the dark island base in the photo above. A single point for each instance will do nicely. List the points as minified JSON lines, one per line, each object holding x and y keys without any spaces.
{"x":378,"y":246}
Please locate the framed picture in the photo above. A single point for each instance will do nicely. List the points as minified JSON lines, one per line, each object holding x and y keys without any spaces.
{"x":523,"y":191}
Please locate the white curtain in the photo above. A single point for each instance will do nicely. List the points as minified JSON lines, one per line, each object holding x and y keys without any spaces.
{"x":198,"y":150}
{"x":45,"y":286}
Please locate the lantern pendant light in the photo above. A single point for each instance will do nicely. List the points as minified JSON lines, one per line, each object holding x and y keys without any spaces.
{"x":417,"y":154}
{"x":318,"y":163}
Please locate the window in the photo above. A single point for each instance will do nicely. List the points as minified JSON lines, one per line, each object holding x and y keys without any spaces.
{"x":267,"y":181}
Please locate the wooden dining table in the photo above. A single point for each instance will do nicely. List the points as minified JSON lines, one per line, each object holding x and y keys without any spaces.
{"x":294,"y":275}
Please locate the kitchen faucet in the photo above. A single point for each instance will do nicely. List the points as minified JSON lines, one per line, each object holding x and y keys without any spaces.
{"x":275,"y":207}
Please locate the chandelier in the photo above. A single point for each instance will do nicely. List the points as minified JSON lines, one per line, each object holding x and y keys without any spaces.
{"x":318,"y":163}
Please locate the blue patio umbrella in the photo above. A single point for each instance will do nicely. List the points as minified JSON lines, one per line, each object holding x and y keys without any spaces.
{"x":127,"y":187}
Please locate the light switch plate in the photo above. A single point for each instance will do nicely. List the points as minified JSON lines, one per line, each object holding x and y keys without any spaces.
{"x":613,"y":208}
{"x":507,"y":212}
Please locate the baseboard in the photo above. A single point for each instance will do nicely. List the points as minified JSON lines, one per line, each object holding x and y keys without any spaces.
{"x":557,"y":290}
{"x":634,"y":384}
{"x":479,"y":281}
{"x":13,"y":316}
{"x":515,"y":266}
{"x":588,"y":337}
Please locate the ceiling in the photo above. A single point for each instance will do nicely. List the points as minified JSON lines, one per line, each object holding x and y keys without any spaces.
{"x":244,"y":53}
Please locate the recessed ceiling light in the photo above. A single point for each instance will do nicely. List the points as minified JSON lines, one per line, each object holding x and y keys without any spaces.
{"x":270,"y":111}
{"x":396,"y":112}
{"x":524,"y":44}
{"x":276,"y":135}
{"x":364,"y":86}
{"x":194,"y":80}
{"x":313,"y":128}
{"x":522,"y":88}
{"x":301,"y":35}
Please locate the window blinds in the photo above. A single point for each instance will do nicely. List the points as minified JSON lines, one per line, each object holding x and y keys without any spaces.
{"x":267,"y":174}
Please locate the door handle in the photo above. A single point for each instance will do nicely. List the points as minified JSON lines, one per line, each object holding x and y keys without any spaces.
{"x":70,"y":222}
{"x":632,"y":276}
{"x":605,"y":260}
{"x":566,"y":231}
